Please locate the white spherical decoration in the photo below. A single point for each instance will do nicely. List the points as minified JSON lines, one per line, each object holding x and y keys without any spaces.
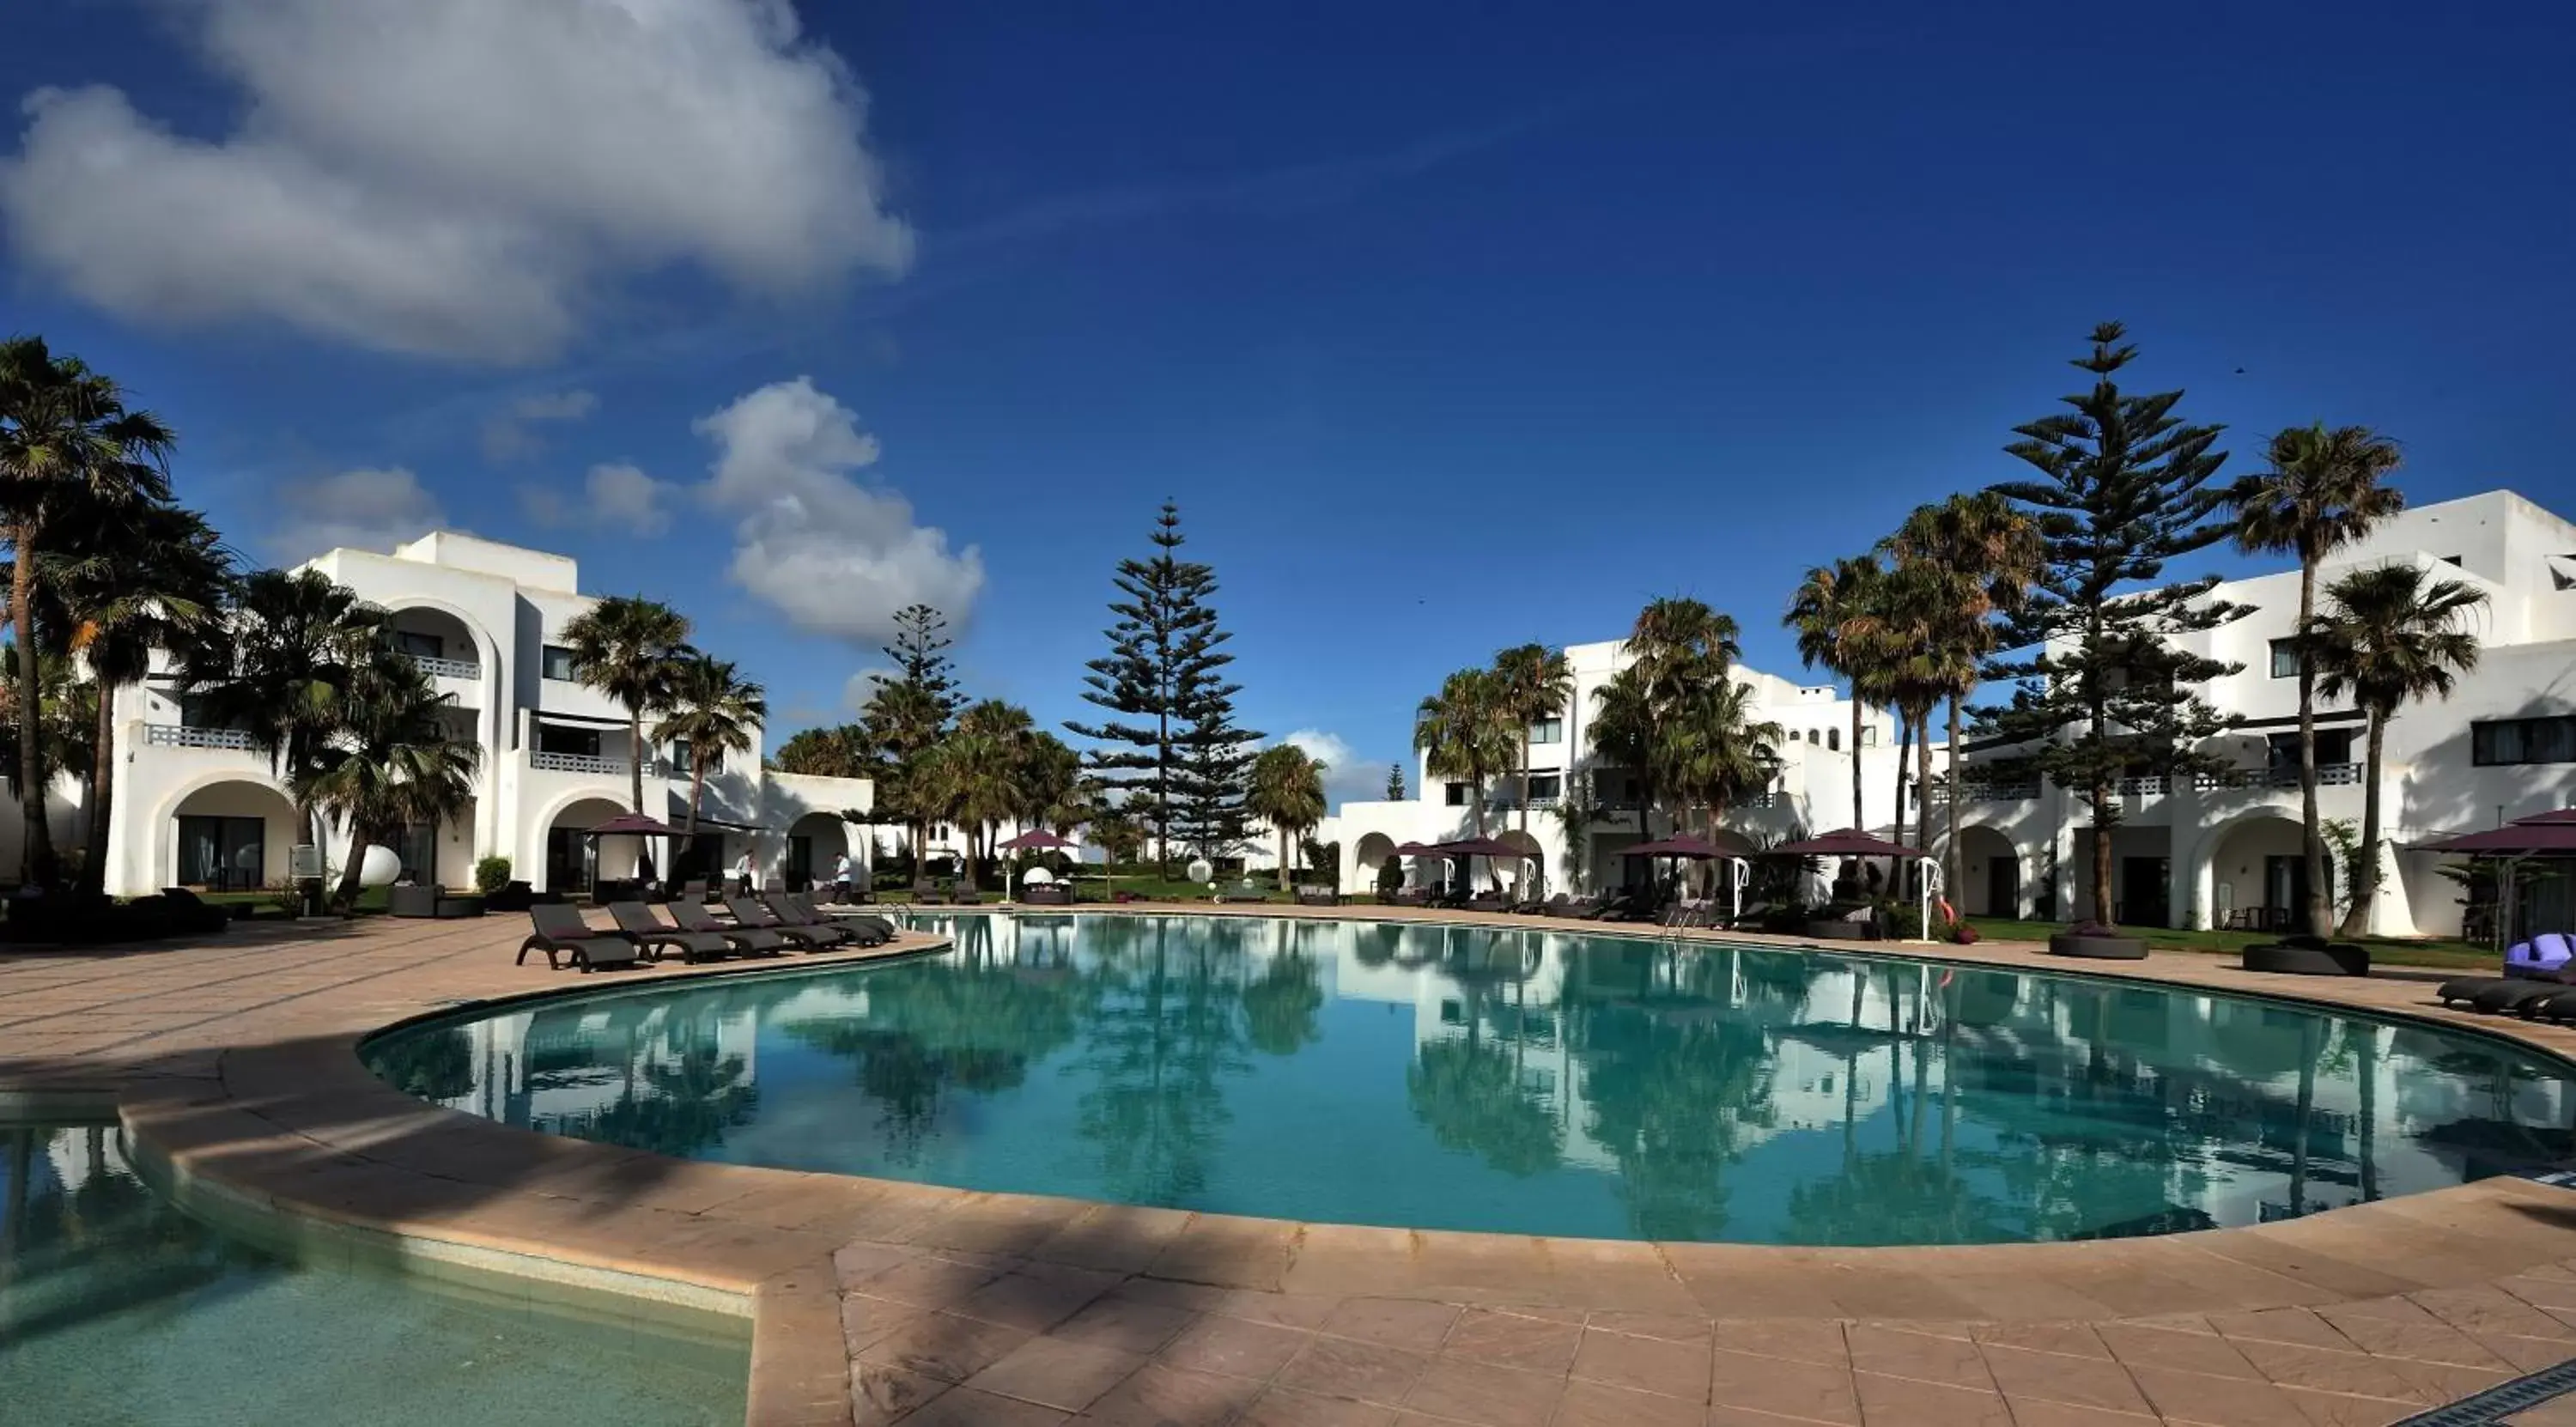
{"x":380,"y":867}
{"x":1202,"y":870}
{"x":1036,"y":877}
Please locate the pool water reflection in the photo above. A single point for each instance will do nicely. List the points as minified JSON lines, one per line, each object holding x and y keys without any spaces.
{"x":1536,"y":1081}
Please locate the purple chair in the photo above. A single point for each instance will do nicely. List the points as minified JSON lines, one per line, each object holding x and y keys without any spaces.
{"x":2544,"y":955}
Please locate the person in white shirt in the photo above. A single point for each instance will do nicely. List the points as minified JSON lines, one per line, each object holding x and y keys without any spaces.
{"x":843,"y":874}
{"x":742,"y":875}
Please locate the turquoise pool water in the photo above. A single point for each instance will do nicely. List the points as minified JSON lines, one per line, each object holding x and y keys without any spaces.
{"x":1536,"y":1081}
{"x":116,"y":1308}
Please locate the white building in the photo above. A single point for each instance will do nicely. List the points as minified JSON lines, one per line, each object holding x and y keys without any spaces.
{"x":1813,"y":791}
{"x":198,"y":806}
{"x":2224,"y":850}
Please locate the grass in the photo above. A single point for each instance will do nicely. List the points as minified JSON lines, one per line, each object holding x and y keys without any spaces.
{"x":2396,"y":951}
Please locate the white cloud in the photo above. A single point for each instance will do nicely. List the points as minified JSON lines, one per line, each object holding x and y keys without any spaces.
{"x":511,"y":435}
{"x":835,"y":556}
{"x":366,"y":509}
{"x":464,"y":179}
{"x":1346,"y":777}
{"x":615,"y":496}
{"x":861,"y":687}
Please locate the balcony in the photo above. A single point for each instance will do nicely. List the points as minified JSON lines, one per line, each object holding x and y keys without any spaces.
{"x":2151,"y":785}
{"x":448,"y":668}
{"x":2016,"y":792}
{"x":2276,"y":776}
{"x":171,"y":735}
{"x":577,"y":763}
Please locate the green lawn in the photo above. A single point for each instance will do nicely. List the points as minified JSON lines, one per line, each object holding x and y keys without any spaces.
{"x":2393,"y":950}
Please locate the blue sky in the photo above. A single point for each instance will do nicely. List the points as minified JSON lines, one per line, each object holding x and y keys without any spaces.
{"x":1449,"y":329}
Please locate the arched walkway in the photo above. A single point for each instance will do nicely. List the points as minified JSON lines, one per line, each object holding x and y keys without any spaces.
{"x":229,"y":835}
{"x":574,"y":861}
{"x":1989,"y":874}
{"x":2252,"y":872}
{"x":814,"y":843}
{"x":1373,"y":850}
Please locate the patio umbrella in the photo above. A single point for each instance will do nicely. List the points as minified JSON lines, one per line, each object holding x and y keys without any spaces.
{"x":1695,"y":849}
{"x":1852,"y":842}
{"x":634,"y":825}
{"x":2545,"y":835}
{"x":1034,"y":840}
{"x":1474,"y":847}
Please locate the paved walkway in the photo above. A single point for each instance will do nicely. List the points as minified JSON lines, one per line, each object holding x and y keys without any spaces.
{"x":232,"y":1065}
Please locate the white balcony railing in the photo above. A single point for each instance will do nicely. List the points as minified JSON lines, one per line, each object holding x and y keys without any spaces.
{"x":2277,"y":776}
{"x":171,"y":735}
{"x":2020,"y":792}
{"x":448,"y":668}
{"x":2151,"y":785}
{"x":577,"y":763}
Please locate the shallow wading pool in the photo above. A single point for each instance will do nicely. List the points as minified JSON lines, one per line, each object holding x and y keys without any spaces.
{"x":117,"y":1307}
{"x":1525,"y":1081}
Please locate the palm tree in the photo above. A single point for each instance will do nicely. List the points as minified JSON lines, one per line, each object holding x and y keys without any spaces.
{"x":65,"y":720}
{"x":1051,"y":791}
{"x":1288,"y":793}
{"x":717,"y":712}
{"x":2322,"y":492}
{"x":1828,"y":601}
{"x":277,"y":665}
{"x":71,"y":453}
{"x":1536,"y":683}
{"x":1715,"y":752}
{"x":1466,"y":732}
{"x":1622,"y":731}
{"x":394,"y":760}
{"x":2389,"y":636}
{"x":628,"y":648}
{"x":154,"y":582}
{"x":969,"y":780}
{"x":1120,"y":838}
{"x":1981,"y":554}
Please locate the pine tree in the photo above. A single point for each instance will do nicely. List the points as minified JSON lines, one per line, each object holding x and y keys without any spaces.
{"x":1395,"y":782}
{"x":2102,"y":692}
{"x":1176,"y":752}
{"x":920,"y":655}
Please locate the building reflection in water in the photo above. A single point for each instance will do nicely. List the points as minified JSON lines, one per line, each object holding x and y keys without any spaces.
{"x":1528,"y":1080}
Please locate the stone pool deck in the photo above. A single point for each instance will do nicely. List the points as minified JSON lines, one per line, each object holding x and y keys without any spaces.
{"x":232,"y":1065}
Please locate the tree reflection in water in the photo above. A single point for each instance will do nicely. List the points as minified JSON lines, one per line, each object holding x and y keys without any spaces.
{"x":1550,"y":1082}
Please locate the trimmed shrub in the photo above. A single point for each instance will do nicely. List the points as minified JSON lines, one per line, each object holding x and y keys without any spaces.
{"x":491,"y":874}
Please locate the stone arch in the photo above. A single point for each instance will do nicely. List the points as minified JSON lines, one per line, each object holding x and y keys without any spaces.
{"x":566,"y":863}
{"x":824,"y":843}
{"x":1372,"y":850}
{"x":2230,"y":869}
{"x":221,"y":856}
{"x":1990,"y":874}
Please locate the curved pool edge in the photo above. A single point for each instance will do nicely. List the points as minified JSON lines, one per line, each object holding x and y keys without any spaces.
{"x":301,"y":1127}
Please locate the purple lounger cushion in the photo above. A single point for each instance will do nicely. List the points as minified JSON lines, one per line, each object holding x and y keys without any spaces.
{"x":2548,"y":952}
{"x":2553,"y":949}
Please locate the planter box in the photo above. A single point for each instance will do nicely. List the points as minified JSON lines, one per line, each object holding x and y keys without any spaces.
{"x":2341,"y":958}
{"x":2098,"y":948}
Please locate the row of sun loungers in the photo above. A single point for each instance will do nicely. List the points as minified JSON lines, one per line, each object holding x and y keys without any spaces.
{"x":2539,"y":982}
{"x":1683,"y":912}
{"x":760,"y":926}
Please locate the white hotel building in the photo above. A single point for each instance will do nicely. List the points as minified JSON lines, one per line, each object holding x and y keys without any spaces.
{"x":198,"y":806}
{"x":2210,"y":850}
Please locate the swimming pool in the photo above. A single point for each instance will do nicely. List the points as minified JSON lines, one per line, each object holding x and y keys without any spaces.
{"x":1527,"y":1081}
{"x":116,"y":1307}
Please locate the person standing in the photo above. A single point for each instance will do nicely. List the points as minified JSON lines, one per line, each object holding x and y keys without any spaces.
{"x":843,"y":874}
{"x":742,"y":874}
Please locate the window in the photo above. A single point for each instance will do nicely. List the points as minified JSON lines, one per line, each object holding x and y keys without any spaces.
{"x":1833,"y":740}
{"x":1546,"y":787}
{"x":2523,"y":740}
{"x":226,"y":854}
{"x":1457,"y":795}
{"x":2285,"y":658}
{"x":680,"y":757}
{"x":420,"y":646}
{"x":556,"y":738}
{"x":558,"y":664}
{"x":1548,"y":730}
{"x":2334,"y":745}
{"x":1811,"y":736}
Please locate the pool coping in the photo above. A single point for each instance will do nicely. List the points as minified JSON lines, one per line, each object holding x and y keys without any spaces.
{"x":306,"y":1130}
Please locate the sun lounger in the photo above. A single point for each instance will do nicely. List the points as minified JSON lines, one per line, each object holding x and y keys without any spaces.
{"x":873,"y":930}
{"x":795,"y":918}
{"x":559,"y":931}
{"x":2514,"y":994}
{"x":756,"y":916}
{"x":637,"y":921}
{"x":750,"y":940}
{"x":1486,"y":904}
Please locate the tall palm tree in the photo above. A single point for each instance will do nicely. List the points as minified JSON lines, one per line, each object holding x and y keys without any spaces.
{"x":2322,"y":492}
{"x":1716,"y":752}
{"x":394,"y":759}
{"x":1622,"y":732}
{"x":153,"y":582}
{"x":1288,"y":793}
{"x":1828,"y":600}
{"x":277,"y":665}
{"x":2389,"y":636}
{"x":1466,"y":731}
{"x":717,"y":712}
{"x":1536,"y":684}
{"x":969,"y":779}
{"x":71,"y":453}
{"x":1981,"y":553}
{"x":628,"y":648}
